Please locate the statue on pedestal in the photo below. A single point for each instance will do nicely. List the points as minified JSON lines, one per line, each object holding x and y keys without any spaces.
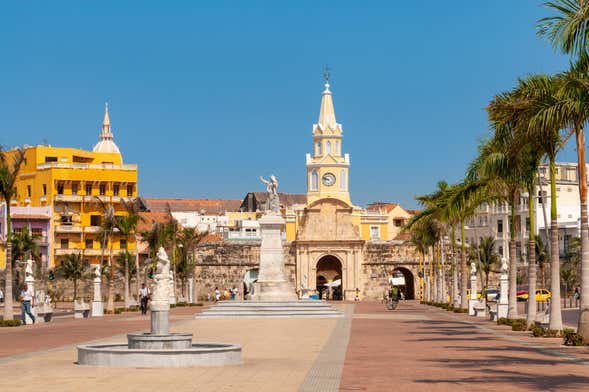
{"x":272,"y":190}
{"x":504,"y":266}
{"x":162,"y":277}
{"x":473,"y":269}
{"x":97,"y":274}
{"x":29,"y":269}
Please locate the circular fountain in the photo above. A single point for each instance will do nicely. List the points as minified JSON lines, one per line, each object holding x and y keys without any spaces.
{"x":159,"y":347}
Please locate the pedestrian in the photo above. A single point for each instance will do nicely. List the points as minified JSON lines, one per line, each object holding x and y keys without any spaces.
{"x":226,"y":294}
{"x":26,"y":297}
{"x":144,"y":298}
{"x":217,"y":294}
{"x":1,"y":296}
{"x":234,"y":292}
{"x":357,"y":297}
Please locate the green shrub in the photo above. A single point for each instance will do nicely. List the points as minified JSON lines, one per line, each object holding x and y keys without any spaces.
{"x":460,"y":310}
{"x":572,"y":338}
{"x":537,"y":331}
{"x":504,"y":321}
{"x":552,"y":333}
{"x":518,"y":325}
{"x":10,"y":323}
{"x":181,"y":304}
{"x":197,"y":304}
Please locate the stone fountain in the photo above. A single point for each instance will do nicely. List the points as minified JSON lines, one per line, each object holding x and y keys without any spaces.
{"x":159,"y":347}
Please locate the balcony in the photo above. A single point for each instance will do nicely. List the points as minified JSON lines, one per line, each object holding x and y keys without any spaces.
{"x":99,"y":166}
{"x":43,"y":199}
{"x":69,"y":198}
{"x":92,"y":229}
{"x":68,"y":229}
{"x":89,"y":252}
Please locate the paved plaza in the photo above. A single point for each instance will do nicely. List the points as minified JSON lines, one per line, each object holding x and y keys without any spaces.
{"x":414,"y":348}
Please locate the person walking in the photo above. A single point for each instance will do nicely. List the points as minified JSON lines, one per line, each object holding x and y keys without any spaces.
{"x":233,"y":293}
{"x":26,"y":297}
{"x":217,"y":294}
{"x":144,"y":298}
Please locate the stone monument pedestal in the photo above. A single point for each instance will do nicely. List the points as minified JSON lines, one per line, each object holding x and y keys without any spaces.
{"x":97,"y":304}
{"x":272,"y":284}
{"x":30,"y":281}
{"x":503,"y":304}
{"x":473,"y":301}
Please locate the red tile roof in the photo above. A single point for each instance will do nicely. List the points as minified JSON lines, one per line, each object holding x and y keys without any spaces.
{"x":403,"y":237}
{"x":147,"y":219}
{"x":209,"y":206}
{"x":212,"y":238}
{"x":382,"y":206}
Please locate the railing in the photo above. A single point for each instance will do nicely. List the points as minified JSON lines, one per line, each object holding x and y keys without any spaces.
{"x":92,"y":229}
{"x":90,"y":252}
{"x":101,"y":166}
{"x":69,"y":198}
{"x":68,"y":229}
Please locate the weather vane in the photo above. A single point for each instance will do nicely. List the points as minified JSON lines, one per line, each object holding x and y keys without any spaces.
{"x":326,"y":73}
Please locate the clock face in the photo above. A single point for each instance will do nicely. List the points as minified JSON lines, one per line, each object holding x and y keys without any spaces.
{"x":328,"y":179}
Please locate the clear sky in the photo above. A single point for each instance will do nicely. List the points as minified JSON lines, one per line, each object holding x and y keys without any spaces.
{"x":207,"y":96}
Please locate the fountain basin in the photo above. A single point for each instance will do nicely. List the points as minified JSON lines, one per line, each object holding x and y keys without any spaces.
{"x":198,"y":354}
{"x":148,"y":341}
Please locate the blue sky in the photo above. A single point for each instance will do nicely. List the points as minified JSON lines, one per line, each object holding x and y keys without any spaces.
{"x":207,"y":96}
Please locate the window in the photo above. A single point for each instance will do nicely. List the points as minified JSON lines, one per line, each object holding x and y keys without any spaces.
{"x":65,"y":243}
{"x":527,"y":224}
{"x":28,"y":191}
{"x":501,"y":251}
{"x":328,"y":147}
{"x":398,"y":222}
{"x":115,"y":190}
{"x":102,"y":189}
{"x":74,"y":189}
{"x":314,"y":180}
{"x":94,"y":220}
{"x":318,"y":148}
{"x":50,"y":159}
{"x":342,"y":180}
{"x":129,"y":190}
{"x":44,"y":189}
{"x":60,"y":189}
{"x":37,"y":232}
{"x":66,"y":219}
{"x":500,"y":226}
{"x":89,"y":244}
{"x":337,"y":148}
{"x":374,"y":232}
{"x":123,"y":244}
{"x":88,"y":189}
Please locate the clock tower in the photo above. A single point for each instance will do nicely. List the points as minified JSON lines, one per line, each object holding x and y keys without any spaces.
{"x":327,"y":167}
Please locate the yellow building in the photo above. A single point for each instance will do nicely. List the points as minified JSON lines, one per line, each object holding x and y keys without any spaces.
{"x":77,"y":185}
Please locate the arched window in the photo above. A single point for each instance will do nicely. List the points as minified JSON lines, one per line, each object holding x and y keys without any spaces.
{"x":337,"y":148}
{"x":328,"y":147}
{"x":314,"y":180}
{"x":318,"y":149}
{"x":342,"y":180}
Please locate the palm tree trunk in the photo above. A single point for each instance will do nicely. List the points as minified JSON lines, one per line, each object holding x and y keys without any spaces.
{"x":512,"y":300}
{"x":110,"y":303}
{"x":75,"y":289}
{"x":8,"y":298}
{"x":545,"y":216}
{"x":464,"y":272}
{"x":555,"y":307}
{"x":531,"y":314}
{"x":137,"y":273}
{"x":583,"y":327}
{"x":127,"y":303}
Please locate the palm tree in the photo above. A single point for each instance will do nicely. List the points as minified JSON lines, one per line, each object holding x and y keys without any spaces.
{"x":73,"y":267}
{"x":126,"y":267}
{"x":568,"y":32}
{"x":542,"y":259}
{"x":487,"y":259}
{"x":24,"y":243}
{"x":9,"y":169}
{"x":188,"y":240}
{"x":127,"y":226}
{"x":108,"y":227}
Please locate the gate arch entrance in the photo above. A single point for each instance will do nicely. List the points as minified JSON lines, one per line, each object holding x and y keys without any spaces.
{"x":329,"y":278}
{"x":409,"y":288}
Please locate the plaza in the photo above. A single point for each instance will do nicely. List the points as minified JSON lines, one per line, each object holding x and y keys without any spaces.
{"x":414,"y":348}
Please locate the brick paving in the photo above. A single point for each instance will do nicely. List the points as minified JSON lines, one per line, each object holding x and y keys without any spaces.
{"x":65,"y":331}
{"x":420,"y":348}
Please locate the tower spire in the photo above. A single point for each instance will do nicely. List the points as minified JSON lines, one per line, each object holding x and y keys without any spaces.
{"x":327,"y":112}
{"x":106,"y":142}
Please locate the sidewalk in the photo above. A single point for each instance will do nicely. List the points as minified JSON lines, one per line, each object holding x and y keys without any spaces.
{"x":422,"y":348}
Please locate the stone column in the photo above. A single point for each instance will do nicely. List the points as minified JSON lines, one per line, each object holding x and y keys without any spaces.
{"x":503,"y":304}
{"x":97,"y":304}
{"x":172,"y":297}
{"x":473,"y":293}
{"x":30,"y":281}
{"x":191,"y":290}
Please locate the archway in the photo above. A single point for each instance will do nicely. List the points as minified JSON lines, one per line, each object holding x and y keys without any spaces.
{"x":409,"y":287}
{"x":329,"y":277}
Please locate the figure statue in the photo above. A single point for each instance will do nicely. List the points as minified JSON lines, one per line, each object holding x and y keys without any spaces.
{"x":504,"y":266}
{"x":473,"y":268}
{"x":97,"y":272}
{"x":162,"y":277}
{"x":273,"y":204}
{"x":29,"y":268}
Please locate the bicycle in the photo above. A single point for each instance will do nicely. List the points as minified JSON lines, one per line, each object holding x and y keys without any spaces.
{"x":392,"y":304}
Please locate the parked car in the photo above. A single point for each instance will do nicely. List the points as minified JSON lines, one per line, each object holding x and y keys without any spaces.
{"x":542,"y":295}
{"x":479,"y":294}
{"x":492,"y":294}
